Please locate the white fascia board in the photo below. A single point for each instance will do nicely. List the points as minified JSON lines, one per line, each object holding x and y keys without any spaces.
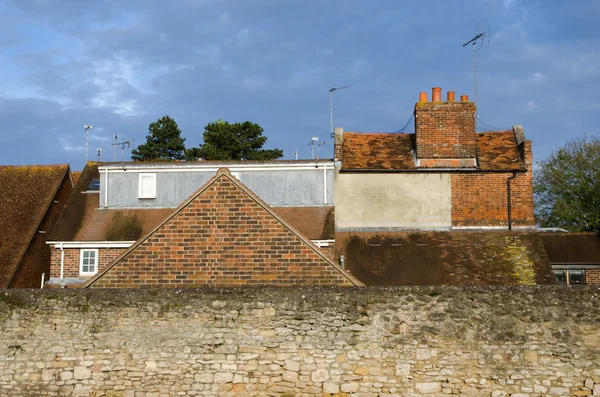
{"x":91,"y":244}
{"x":323,"y":243}
{"x":213,"y":168}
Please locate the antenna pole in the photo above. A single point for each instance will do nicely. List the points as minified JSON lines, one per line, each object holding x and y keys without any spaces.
{"x":474,"y":74}
{"x":473,"y":42}
{"x":331,"y":107}
{"x":87,"y":128}
{"x":115,"y":145}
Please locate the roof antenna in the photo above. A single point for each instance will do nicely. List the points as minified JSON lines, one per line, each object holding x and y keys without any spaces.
{"x":475,"y":42}
{"x":115,"y":145}
{"x":122,"y":146}
{"x":99,"y":151}
{"x":87,"y":128}
{"x":331,"y":107}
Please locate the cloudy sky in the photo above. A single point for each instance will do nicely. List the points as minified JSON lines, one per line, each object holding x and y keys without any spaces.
{"x":120,"y":65}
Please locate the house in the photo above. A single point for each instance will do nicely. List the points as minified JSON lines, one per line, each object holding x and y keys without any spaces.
{"x":223,"y":235}
{"x":30,"y":202}
{"x":445,"y":205}
{"x":114,"y":205}
{"x":575,"y":257}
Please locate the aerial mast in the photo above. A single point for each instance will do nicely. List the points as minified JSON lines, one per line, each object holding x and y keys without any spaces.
{"x":331,"y":90}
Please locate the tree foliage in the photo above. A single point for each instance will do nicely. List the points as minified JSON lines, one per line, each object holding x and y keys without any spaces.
{"x":567,"y":187}
{"x":237,"y":141}
{"x":164,"y":142}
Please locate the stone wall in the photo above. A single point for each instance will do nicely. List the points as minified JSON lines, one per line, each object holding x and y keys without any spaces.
{"x":362,"y":342}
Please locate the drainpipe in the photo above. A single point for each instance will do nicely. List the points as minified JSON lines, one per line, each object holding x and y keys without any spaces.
{"x":510,"y":178}
{"x":62,"y":263}
{"x":324,"y":184}
{"x":106,"y":188}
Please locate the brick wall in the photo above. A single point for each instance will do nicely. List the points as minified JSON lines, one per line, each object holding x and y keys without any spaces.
{"x":445,"y":129}
{"x":592,"y":277}
{"x":37,"y":257}
{"x":71,"y":262}
{"x":222,"y":237}
{"x":480,"y":199}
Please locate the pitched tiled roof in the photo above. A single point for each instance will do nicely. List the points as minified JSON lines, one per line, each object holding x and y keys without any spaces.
{"x":572,"y":248}
{"x":82,"y":220}
{"x":376,"y":151}
{"x":498,"y":151}
{"x":219,"y":250}
{"x":316,"y":223}
{"x":27,"y":193}
{"x":447,"y":258}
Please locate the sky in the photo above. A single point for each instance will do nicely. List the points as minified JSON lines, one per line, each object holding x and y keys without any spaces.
{"x":120,"y":65}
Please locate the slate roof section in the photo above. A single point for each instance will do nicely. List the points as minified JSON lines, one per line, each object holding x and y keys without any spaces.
{"x":572,"y":248}
{"x":394,"y":152}
{"x":245,"y":244}
{"x":26,"y":195}
{"x":82,"y":220}
{"x":447,"y":258}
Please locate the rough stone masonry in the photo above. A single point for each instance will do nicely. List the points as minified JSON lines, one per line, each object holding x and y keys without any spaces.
{"x":361,"y":342}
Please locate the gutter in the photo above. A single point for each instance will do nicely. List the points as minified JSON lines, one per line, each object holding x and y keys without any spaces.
{"x":510,"y":178}
{"x":62,"y":262}
{"x":432,"y":170}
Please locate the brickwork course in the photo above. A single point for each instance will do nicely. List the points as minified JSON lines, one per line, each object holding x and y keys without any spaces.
{"x":223,"y":235}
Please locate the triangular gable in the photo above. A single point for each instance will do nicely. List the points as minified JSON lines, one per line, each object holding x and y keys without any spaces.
{"x":222,"y":236}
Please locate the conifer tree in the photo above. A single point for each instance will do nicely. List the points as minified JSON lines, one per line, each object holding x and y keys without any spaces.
{"x":163,"y":142}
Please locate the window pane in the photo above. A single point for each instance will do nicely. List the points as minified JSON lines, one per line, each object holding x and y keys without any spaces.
{"x":94,"y":184}
{"x":576,"y":276}
{"x":560,"y":276}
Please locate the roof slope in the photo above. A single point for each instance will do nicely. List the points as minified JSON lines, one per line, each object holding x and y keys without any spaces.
{"x":572,"y":248}
{"x":376,"y":151}
{"x":223,"y":235}
{"x":27,"y":193}
{"x":448,"y":258}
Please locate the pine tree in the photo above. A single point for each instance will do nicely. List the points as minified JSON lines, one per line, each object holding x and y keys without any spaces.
{"x":238,"y":141}
{"x":164,"y":142}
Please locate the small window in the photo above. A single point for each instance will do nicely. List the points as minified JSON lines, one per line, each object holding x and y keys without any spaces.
{"x":147,"y":186}
{"x":561,"y":276}
{"x":576,"y":277}
{"x":570,"y":277}
{"x":94,"y":184}
{"x":88,"y":261}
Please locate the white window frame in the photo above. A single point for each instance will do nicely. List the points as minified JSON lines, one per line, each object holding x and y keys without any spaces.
{"x":236,"y":175}
{"x":141,"y":177}
{"x":81,"y":272}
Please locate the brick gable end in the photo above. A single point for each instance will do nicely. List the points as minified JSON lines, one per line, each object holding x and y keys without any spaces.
{"x":223,"y":237}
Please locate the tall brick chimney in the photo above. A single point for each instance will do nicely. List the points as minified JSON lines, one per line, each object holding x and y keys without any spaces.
{"x":445,"y":131}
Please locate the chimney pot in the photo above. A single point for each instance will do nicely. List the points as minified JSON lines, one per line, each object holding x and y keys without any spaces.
{"x":436,"y":94}
{"x":464,"y":98}
{"x":450,"y":96}
{"x":422,"y":97}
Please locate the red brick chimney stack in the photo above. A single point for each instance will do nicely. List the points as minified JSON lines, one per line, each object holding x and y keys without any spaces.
{"x":445,"y":130}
